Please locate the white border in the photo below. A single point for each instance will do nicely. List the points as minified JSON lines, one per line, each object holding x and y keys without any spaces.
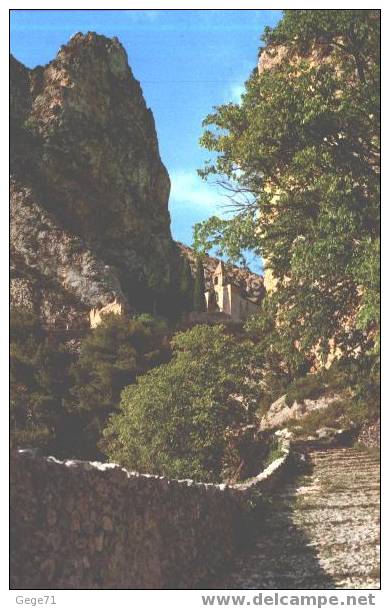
{"x":178,"y":598}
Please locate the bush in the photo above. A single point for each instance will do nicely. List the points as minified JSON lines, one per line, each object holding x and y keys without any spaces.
{"x":178,"y":420}
{"x":310,"y":387}
{"x":274,"y":452}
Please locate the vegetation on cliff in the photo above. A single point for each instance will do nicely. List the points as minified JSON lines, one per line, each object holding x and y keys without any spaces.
{"x":39,"y":382}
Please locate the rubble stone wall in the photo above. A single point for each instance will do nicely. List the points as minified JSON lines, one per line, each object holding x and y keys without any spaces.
{"x":78,"y":525}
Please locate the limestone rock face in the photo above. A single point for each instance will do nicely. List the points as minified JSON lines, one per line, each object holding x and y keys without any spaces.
{"x":89,"y":193}
{"x":281,"y":414}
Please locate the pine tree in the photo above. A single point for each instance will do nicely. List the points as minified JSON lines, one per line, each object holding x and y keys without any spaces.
{"x":199,"y":287}
{"x":39,"y":381}
{"x":111,"y":357}
{"x":186,"y":285}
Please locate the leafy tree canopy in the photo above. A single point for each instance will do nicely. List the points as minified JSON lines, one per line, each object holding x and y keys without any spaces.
{"x":178,"y":419}
{"x":300,"y":158}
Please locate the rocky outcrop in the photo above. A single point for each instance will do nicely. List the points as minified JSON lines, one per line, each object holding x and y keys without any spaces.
{"x":273,"y":55}
{"x":89,"y":193}
{"x":280,"y":413}
{"x":54,"y":273}
{"x":251,"y":284}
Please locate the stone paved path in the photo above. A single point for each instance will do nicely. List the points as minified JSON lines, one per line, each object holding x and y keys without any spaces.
{"x":320,"y":532}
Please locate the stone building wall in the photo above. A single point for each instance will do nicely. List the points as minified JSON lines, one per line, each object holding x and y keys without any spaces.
{"x":96,"y":315}
{"x":240,"y":308}
{"x":230,"y":302}
{"x":88,"y":525}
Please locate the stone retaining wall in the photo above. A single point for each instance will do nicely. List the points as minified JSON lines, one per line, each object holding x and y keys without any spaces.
{"x":88,"y":525}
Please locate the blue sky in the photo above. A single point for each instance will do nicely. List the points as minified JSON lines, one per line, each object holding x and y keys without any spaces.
{"x":187,"y":61}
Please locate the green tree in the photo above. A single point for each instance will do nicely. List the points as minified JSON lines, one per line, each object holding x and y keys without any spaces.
{"x":199,"y":287}
{"x":186,"y":285}
{"x":300,"y":157}
{"x":38,"y":384}
{"x":111,"y":357}
{"x":178,"y":419}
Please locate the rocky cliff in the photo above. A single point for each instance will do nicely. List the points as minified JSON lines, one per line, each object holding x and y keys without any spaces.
{"x":89,"y":193}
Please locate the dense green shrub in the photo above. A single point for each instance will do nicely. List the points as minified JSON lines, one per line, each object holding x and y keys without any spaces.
{"x":274,"y":451}
{"x":310,"y":387}
{"x":59,"y":402}
{"x":179,"y":419}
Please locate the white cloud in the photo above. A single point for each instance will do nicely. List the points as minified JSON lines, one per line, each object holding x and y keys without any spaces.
{"x":187,"y":188}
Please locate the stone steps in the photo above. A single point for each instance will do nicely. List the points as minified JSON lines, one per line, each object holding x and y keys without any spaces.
{"x":321,"y":531}
{"x":364,"y":532}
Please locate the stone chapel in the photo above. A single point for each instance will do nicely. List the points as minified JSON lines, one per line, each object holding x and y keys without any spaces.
{"x":225,"y":297}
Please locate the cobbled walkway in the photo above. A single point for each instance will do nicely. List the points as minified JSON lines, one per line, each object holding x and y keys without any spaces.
{"x":320,"y":532}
